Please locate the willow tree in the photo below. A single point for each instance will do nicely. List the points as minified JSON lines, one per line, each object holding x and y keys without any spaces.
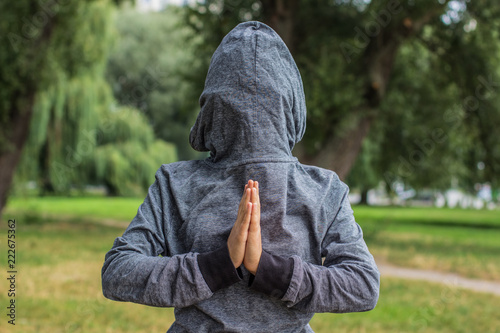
{"x":47,"y":48}
{"x":127,"y":154}
{"x":52,"y":61}
{"x":33,"y":43}
{"x":119,"y":152}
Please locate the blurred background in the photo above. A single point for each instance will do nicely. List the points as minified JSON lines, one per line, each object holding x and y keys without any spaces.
{"x":403,"y":103}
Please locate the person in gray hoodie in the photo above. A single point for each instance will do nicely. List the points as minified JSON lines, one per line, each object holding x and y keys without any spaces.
{"x":188,"y":246}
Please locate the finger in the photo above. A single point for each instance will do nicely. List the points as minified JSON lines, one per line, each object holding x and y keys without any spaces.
{"x":240,"y":227}
{"x":243,"y":197}
{"x":244,"y":223}
{"x":248,"y":214}
{"x":255,"y":218}
{"x":256,"y":199}
{"x":249,"y":186}
{"x":242,"y":210}
{"x":246,"y":197}
{"x":253,"y":249}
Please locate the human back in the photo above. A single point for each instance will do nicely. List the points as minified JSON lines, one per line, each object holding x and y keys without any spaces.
{"x":182,"y":250}
{"x":298,"y":203}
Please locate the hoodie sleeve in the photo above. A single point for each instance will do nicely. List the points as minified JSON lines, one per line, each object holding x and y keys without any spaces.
{"x":348,"y":280}
{"x":134,"y":271}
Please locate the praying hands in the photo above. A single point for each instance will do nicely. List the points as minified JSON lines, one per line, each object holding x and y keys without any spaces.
{"x":244,"y":242}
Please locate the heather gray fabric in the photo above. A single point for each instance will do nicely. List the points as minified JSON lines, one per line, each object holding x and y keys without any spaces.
{"x":252,"y":114}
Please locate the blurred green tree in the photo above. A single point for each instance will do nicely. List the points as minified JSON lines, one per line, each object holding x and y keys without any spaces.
{"x":52,"y":90}
{"x":436,"y":121}
{"x":38,"y":41}
{"x":127,"y":154}
{"x":149,"y":69}
{"x":422,"y":74}
{"x":363,"y":176}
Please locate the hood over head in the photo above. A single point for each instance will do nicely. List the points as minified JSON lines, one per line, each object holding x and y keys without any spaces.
{"x":253,"y":106}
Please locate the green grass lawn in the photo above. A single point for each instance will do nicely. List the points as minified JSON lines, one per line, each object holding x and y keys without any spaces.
{"x":59,"y":290}
{"x":35,"y":208}
{"x":466,"y":242}
{"x":450,"y":240}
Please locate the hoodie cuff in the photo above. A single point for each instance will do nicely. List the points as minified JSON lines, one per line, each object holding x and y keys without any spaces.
{"x":217,"y":269}
{"x":273,"y":275}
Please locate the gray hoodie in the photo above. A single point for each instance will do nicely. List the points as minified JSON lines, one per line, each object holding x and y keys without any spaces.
{"x":174,"y":252}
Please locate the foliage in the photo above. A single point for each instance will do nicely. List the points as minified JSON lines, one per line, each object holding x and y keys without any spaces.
{"x":120,"y":153}
{"x":415,"y":144}
{"x":78,"y":135}
{"x":363,"y":175}
{"x":148,"y":69}
{"x":436,"y":120}
{"x":128,"y":156}
{"x":434,"y":116}
{"x":415,"y":67}
{"x":26,"y":57}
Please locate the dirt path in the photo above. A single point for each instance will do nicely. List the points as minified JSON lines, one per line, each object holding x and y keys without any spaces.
{"x":450,"y":279}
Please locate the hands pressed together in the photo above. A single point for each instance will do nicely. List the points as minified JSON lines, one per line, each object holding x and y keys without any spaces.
{"x":244,"y":242}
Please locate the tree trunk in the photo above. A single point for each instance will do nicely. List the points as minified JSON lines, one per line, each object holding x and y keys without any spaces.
{"x":19,"y":114}
{"x":279,"y":15}
{"x":339,"y":153}
{"x":46,"y":186}
{"x":364,"y":197}
{"x":17,"y":133}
